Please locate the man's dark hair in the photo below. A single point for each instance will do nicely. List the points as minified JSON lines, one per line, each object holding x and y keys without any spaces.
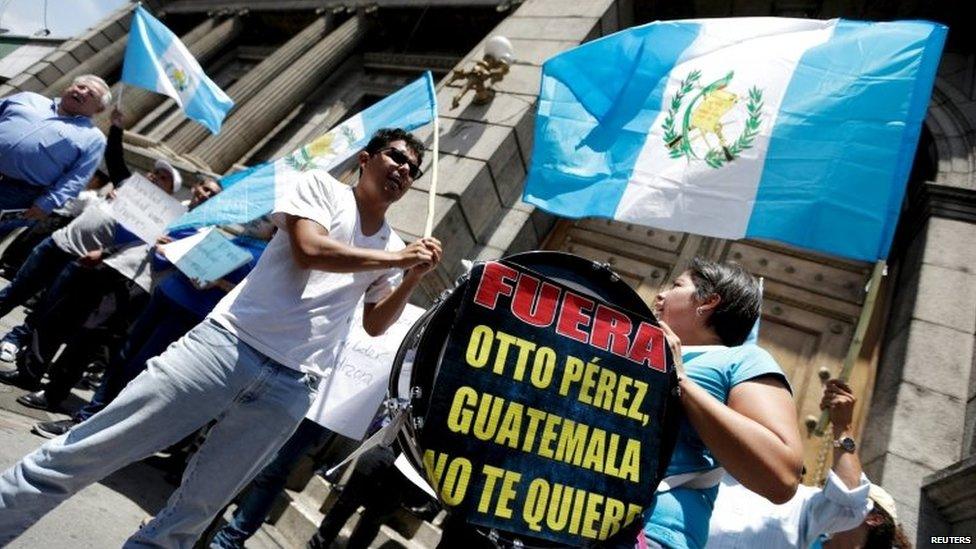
{"x":384,"y":136}
{"x":885,"y":534}
{"x":739,"y":298}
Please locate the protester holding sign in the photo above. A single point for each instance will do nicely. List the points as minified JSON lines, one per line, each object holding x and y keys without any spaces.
{"x":69,"y":264}
{"x":175,"y":306}
{"x":740,"y":414}
{"x":253,"y":364}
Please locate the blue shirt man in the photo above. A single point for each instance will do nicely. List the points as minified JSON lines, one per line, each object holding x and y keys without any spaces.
{"x":49,"y":148}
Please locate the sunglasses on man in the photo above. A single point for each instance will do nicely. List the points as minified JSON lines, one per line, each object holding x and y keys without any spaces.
{"x":400,"y":158}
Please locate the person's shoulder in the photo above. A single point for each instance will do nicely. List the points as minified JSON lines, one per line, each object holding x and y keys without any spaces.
{"x":28,"y":97}
{"x":325,"y":179}
{"x":327,"y":188}
{"x":750,"y":352}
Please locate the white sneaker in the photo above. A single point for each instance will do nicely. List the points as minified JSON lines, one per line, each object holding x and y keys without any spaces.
{"x":8,"y":351}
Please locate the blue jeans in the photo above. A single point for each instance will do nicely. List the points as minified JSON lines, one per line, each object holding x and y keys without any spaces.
{"x":260,"y":497}
{"x":40,"y":270}
{"x":208,"y":374}
{"x":160,"y":324}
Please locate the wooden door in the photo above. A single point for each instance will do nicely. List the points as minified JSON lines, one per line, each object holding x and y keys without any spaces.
{"x":810,"y":307}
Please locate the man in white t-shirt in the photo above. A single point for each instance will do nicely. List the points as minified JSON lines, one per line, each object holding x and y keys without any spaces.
{"x":253,"y":363}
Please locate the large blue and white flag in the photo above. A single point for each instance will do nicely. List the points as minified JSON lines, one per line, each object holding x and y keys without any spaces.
{"x":795,"y":130}
{"x":250,"y":194}
{"x":156,"y":59}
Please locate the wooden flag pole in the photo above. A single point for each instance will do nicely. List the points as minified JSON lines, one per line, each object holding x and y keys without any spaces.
{"x":880,"y":269}
{"x":432,"y":192}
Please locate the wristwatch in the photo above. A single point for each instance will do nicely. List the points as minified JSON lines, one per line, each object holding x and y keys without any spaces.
{"x":846,"y":444}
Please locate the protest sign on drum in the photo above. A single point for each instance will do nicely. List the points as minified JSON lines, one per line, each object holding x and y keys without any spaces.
{"x":547,"y":414}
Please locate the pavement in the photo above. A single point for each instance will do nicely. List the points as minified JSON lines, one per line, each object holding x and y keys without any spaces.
{"x":104,"y":514}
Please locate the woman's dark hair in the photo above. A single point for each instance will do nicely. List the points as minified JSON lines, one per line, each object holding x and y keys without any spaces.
{"x":887,"y":534}
{"x":739,"y":298}
{"x":384,"y":136}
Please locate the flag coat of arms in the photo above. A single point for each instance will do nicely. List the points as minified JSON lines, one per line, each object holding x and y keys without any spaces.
{"x":251,"y":193}
{"x":796,"y":130}
{"x":156,"y":59}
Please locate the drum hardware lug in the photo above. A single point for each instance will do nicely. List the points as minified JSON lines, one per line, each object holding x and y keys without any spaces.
{"x":606,"y":267}
{"x":416,"y":392}
{"x":517,"y":543}
{"x":418,"y":423}
{"x":395,"y":404}
{"x":493,"y":536}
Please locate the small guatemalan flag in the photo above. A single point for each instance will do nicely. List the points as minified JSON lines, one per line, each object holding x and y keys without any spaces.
{"x":796,"y":130}
{"x":156,"y":60}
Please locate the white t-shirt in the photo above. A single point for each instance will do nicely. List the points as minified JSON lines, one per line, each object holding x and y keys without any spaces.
{"x":743,"y":519}
{"x":300,"y":317}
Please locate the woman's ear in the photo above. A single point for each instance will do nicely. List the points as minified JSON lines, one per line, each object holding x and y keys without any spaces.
{"x":362,"y":158}
{"x":710,"y":303}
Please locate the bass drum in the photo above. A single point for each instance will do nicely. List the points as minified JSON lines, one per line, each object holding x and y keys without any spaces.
{"x":418,"y":359}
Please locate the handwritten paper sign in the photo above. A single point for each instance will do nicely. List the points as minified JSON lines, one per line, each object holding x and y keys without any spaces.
{"x":348,"y":400}
{"x":206,"y":256}
{"x":145,"y":209}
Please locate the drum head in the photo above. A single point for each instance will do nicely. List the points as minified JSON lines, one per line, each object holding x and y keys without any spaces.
{"x":418,"y":378}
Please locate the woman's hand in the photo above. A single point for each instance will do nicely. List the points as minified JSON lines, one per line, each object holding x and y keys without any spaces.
{"x":674,"y":342}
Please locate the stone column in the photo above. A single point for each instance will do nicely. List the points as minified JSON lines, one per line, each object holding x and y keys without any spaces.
{"x":257,"y":117}
{"x":190,"y":134}
{"x":204,"y":41}
{"x":102,"y":63}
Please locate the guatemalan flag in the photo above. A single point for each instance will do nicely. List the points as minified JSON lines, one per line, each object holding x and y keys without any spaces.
{"x":156,"y":60}
{"x":251,"y":193}
{"x":796,"y":130}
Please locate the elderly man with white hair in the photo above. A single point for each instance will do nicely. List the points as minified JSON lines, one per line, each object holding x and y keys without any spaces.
{"x":49,"y":148}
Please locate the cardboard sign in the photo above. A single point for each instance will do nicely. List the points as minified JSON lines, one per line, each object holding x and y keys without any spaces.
{"x":144,"y":209}
{"x":205,"y":256}
{"x":348,"y":400}
{"x":547,"y":415}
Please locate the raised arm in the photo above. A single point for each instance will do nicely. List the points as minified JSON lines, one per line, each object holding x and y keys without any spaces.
{"x":312,"y":248}
{"x":114,"y":157}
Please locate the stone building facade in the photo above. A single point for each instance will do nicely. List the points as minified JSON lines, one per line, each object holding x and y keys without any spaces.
{"x":297,"y":67}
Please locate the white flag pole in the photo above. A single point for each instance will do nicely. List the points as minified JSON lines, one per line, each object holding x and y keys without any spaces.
{"x":432,"y":192}
{"x":118,"y":98}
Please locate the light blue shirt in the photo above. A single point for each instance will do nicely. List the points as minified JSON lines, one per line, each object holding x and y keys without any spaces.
{"x":679,"y":518}
{"x":41,"y":147}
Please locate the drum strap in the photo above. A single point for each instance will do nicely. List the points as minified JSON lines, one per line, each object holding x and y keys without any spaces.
{"x":699,"y":480}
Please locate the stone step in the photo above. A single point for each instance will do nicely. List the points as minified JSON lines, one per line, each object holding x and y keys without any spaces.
{"x":303,"y":512}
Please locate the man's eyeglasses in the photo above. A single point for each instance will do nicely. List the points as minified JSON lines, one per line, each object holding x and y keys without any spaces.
{"x":400,"y":158}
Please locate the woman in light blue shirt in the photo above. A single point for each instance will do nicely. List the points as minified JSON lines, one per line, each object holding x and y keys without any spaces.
{"x":739,"y":410}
